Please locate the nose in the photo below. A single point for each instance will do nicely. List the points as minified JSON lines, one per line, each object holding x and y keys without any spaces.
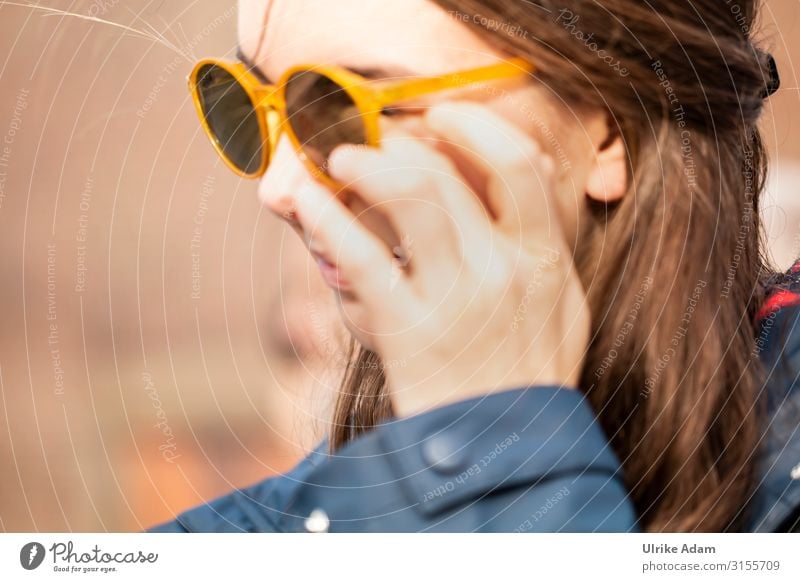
{"x":287,"y":176}
{"x":284,"y":178}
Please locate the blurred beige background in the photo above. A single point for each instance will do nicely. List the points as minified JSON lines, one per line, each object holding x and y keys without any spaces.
{"x":154,"y":346}
{"x":163,"y":338}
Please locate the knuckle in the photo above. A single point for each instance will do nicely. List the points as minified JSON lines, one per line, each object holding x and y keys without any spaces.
{"x":547,"y":163}
{"x":522,"y":156}
{"x":497,"y":275}
{"x":403,"y":177}
{"x":415,"y":153}
{"x":389,"y":183}
{"x":410,"y":180}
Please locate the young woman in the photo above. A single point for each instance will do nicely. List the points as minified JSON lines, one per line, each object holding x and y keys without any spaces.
{"x":540,"y":223}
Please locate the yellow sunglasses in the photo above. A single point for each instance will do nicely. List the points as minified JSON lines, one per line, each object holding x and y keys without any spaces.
{"x":319,"y":107}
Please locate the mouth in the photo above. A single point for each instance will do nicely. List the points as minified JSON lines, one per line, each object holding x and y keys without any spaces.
{"x":373,"y":221}
{"x":330,"y":272}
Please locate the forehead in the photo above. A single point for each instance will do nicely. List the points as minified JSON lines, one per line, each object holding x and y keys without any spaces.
{"x":410,"y":34}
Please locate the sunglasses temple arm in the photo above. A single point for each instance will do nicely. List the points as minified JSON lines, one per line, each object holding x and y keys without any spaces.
{"x":406,"y":90}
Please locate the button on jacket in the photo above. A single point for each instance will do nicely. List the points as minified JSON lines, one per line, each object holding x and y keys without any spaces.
{"x":531,"y":459}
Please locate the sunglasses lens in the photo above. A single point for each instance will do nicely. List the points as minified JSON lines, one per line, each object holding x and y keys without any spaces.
{"x":231,"y":117}
{"x":322,"y":115}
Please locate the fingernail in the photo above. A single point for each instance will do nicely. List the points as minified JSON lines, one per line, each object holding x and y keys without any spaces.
{"x":343,"y":155}
{"x":443,"y":114}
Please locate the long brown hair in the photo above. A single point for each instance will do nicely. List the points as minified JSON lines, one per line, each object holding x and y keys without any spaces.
{"x":674,"y":272}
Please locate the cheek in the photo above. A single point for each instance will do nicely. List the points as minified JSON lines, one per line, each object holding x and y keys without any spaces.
{"x":354,"y":319}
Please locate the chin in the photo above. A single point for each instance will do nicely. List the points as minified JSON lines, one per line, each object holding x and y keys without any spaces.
{"x":353,"y":318}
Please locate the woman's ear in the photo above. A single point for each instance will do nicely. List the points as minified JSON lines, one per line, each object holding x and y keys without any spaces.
{"x":608,"y":177}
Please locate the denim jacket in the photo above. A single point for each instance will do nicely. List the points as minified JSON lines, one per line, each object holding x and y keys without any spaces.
{"x":532,"y":459}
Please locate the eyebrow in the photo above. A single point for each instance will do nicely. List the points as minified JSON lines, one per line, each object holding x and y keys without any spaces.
{"x":372,"y":73}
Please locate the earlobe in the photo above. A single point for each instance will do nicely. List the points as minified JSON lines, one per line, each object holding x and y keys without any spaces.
{"x":608,"y":178}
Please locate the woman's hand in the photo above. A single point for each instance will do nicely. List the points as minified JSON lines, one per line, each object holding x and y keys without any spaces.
{"x":478,"y":303}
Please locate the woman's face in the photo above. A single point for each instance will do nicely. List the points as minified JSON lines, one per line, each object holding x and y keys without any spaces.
{"x":414,"y":37}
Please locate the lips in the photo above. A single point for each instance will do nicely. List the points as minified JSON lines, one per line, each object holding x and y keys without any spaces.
{"x":330,"y":273}
{"x":318,"y":253}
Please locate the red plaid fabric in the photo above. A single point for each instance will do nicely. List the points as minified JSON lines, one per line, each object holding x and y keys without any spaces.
{"x":783,"y":290}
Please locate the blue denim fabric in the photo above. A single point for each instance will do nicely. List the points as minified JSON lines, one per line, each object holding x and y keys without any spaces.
{"x":528,"y":459}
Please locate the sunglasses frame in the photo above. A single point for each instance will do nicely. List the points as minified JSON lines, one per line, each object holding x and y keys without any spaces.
{"x":369,"y":96}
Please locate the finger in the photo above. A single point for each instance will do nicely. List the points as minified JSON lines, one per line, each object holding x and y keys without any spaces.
{"x":404,"y":171}
{"x":519,"y":175}
{"x":453,"y":190}
{"x":419,"y":190}
{"x":359,"y":255}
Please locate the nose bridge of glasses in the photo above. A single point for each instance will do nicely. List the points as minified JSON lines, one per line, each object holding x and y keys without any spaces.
{"x":269,"y":97}
{"x":274,"y":128}
{"x":270,"y":101}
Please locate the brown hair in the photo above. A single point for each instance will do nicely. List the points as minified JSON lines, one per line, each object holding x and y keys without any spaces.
{"x":674,"y":272}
